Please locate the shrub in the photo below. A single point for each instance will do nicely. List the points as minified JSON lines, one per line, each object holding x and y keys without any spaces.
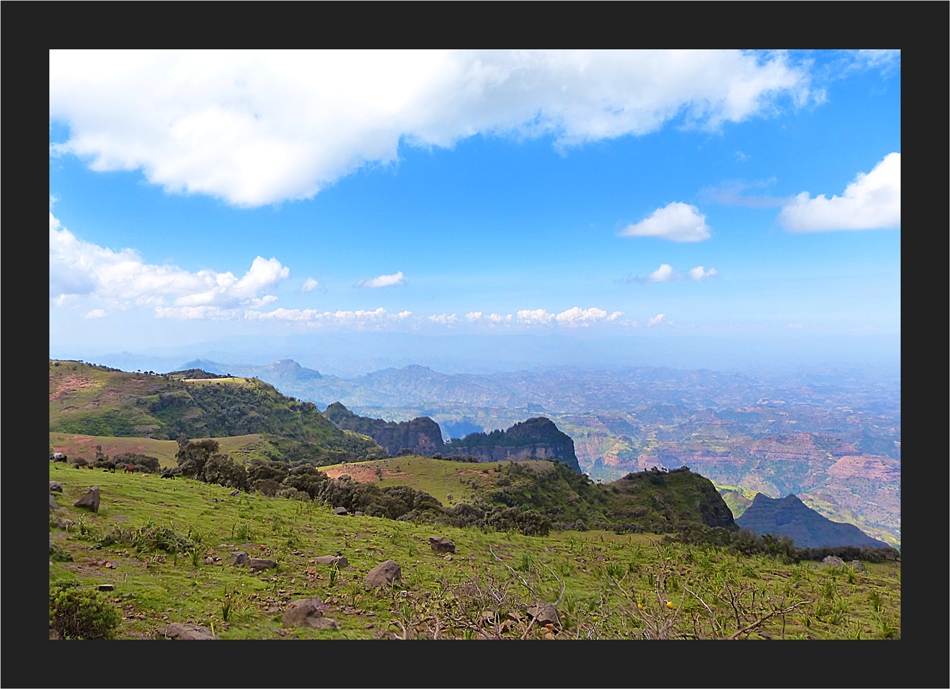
{"x":81,"y":614}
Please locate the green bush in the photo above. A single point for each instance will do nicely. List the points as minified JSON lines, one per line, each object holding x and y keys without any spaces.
{"x":81,"y":614}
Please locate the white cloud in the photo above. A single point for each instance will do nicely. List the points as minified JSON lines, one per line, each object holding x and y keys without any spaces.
{"x":699,"y":273}
{"x":122,"y":278}
{"x":678,"y":222}
{"x":535,"y":317}
{"x":578,"y":317}
{"x":656,"y":320}
{"x":96,"y":313}
{"x":663,"y":274}
{"x":309,"y":285}
{"x":384,"y":281}
{"x":871,"y":201}
{"x":497,"y":319}
{"x":444,"y":319}
{"x":262,"y":127}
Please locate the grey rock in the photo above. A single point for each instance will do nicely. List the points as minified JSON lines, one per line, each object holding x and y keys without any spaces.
{"x":331,"y":560}
{"x":105,"y":587}
{"x":306,"y":612}
{"x":183,"y":632}
{"x":546,"y":614}
{"x":52,"y":502}
{"x":235,"y":492}
{"x":384,"y":574}
{"x":239,"y":559}
{"x":341,"y":511}
{"x":54,"y":487}
{"x":441,"y":544}
{"x":832,"y":561}
{"x":858,"y":567}
{"x":258,"y":563}
{"x":90,"y":500}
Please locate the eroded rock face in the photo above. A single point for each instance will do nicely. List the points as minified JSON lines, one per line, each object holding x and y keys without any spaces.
{"x":384,"y":574}
{"x":306,"y":612}
{"x":90,"y":500}
{"x":184,"y":632}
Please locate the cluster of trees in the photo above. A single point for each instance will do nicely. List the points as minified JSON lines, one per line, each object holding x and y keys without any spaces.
{"x":747,"y":542}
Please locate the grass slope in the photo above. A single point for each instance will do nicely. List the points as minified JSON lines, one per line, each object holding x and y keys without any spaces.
{"x":597,"y":579}
{"x":85,"y":399}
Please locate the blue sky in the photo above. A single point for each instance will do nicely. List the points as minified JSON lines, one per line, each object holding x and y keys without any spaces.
{"x":720,"y":195}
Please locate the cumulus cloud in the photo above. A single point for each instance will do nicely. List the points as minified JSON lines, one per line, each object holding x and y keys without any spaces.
{"x":384,"y":281}
{"x":699,"y":273}
{"x":871,"y":201}
{"x":358,"y":318}
{"x":96,"y":313}
{"x":263,"y":127}
{"x":474,"y":316}
{"x":122,"y":278}
{"x":535,"y":317}
{"x":656,"y":320}
{"x":309,"y":285}
{"x":578,"y":317}
{"x":664,"y":273}
{"x":444,"y":319}
{"x":678,"y":222}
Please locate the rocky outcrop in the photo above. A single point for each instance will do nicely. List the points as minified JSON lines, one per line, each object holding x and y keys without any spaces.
{"x":791,"y":517}
{"x":537,"y":438}
{"x":421,"y":435}
{"x":441,"y":544}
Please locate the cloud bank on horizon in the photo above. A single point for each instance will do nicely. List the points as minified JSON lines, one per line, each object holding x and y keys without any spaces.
{"x":267,"y":134}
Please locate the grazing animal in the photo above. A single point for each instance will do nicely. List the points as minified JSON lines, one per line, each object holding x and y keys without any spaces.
{"x":130,"y":469}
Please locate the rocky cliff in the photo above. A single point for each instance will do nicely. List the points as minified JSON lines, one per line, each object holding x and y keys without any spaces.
{"x":421,"y":435}
{"x":791,"y":517}
{"x":536,"y":438}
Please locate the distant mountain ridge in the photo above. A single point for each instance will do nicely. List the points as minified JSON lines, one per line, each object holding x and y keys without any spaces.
{"x":789,"y":516}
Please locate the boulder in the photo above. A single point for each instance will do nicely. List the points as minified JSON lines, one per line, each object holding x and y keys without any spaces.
{"x":239,"y":559}
{"x":546,"y":614}
{"x":54,"y":487}
{"x":832,"y":561}
{"x":184,"y":632}
{"x":858,"y":567}
{"x":331,"y":560}
{"x":258,"y":563}
{"x":340,"y":511}
{"x":306,"y":612}
{"x":441,"y":544}
{"x":90,"y":500}
{"x":52,"y":502}
{"x":384,"y":574}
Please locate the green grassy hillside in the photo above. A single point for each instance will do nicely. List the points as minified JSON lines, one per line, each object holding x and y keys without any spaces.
{"x":85,"y":399}
{"x":155,"y":541}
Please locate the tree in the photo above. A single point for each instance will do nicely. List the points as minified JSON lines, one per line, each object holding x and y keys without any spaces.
{"x":193,"y":455}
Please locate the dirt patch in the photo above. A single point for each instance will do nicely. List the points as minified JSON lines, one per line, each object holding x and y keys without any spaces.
{"x":358,"y":474}
{"x":70,"y":384}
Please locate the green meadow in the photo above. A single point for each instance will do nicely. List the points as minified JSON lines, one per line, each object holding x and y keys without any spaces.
{"x":165,"y":545}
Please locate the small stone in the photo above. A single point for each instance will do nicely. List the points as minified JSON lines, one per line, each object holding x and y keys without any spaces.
{"x":105,"y":587}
